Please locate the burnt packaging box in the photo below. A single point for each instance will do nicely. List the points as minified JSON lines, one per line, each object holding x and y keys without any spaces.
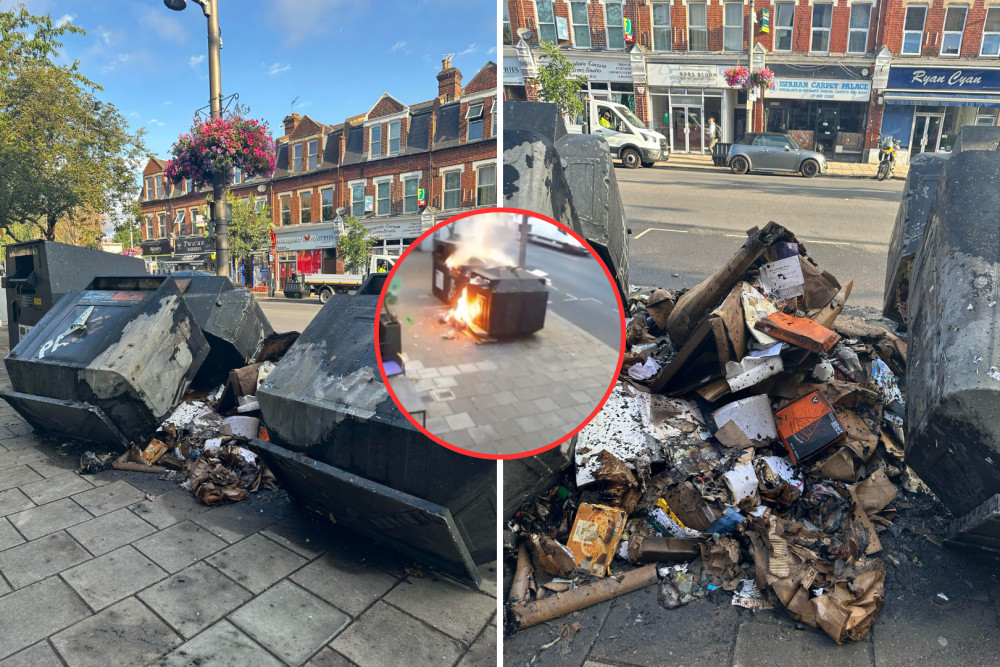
{"x":808,"y":426}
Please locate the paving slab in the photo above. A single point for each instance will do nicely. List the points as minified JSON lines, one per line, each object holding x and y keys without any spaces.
{"x":112,"y":577}
{"x":53,"y":466}
{"x":169,"y":508}
{"x":522,"y":648}
{"x":194,"y":598}
{"x":257,"y":562}
{"x":35,"y":612}
{"x":303,"y":532}
{"x":17,"y":476}
{"x":483,"y":651}
{"x":110,"y":531}
{"x":327,"y":658}
{"x":12,"y":500}
{"x":20,"y":457}
{"x":9,"y":537}
{"x":33,"y":561}
{"x":53,"y":488}
{"x":108,"y":498}
{"x":344,"y":582}
{"x":449,"y":607}
{"x":222,"y":644}
{"x":915,"y":630}
{"x":39,"y":655}
{"x":770,"y":644}
{"x":45,"y":519}
{"x":179,"y":545}
{"x":366,"y":642}
{"x":234,"y":522}
{"x":290,"y":621}
{"x":126,"y":634}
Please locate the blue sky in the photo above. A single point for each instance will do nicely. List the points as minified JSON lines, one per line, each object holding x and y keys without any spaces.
{"x":336,"y":56}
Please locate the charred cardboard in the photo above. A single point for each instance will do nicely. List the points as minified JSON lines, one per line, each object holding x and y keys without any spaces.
{"x":594,"y":537}
{"x":746,"y":422}
{"x":645,"y":549}
{"x":808,"y":426}
{"x":799,"y":331}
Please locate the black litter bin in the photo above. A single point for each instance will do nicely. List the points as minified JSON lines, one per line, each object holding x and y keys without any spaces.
{"x":341,"y":446}
{"x":40,"y":272}
{"x":295,"y":290}
{"x":231,"y":320}
{"x":108,"y":363}
{"x":720,"y":153}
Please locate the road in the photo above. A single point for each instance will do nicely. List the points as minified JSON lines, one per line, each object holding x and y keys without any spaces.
{"x":689,"y":222}
{"x":289,"y":314}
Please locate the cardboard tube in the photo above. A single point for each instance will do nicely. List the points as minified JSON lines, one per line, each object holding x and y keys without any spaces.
{"x":527,"y":614}
{"x":136,"y":467}
{"x":519,"y":589}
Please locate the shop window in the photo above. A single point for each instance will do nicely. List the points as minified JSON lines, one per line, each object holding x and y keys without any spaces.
{"x":486,"y":185}
{"x":913,"y":29}
{"x":305,"y":207}
{"x":784,"y":17}
{"x":452,"y":190}
{"x":382,"y":199}
{"x":581,"y":24}
{"x":546,"y":21}
{"x":697,"y":27}
{"x":822,"y":19}
{"x":358,"y":200}
{"x":857,"y":34}
{"x":954,"y":26}
{"x":474,"y":116}
{"x":394,"y":137}
{"x":615,"y":25}
{"x":313,"y":153}
{"x":986,"y":117}
{"x":286,"y":210}
{"x":410,"y":187}
{"x":661,"y":26}
{"x":991,"y":33}
{"x":326,"y":211}
{"x":732,"y":35}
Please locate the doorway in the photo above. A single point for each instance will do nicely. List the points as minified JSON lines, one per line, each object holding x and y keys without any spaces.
{"x":926,"y":136}
{"x":687,"y":130}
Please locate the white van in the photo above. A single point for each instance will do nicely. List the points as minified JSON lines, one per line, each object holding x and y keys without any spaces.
{"x":546,"y":233}
{"x":628,"y":137}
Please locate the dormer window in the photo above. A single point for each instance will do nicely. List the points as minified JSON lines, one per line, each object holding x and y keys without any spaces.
{"x":237,"y":176}
{"x":159,"y":186}
{"x":375,"y":141}
{"x":297,"y":160}
{"x":475,"y":117}
{"x":187,"y":186}
{"x":394,"y":137}
{"x":313,"y":153}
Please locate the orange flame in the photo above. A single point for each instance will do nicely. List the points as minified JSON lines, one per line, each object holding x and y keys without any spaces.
{"x":466,"y":310}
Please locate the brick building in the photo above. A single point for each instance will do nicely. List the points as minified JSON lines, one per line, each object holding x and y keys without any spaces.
{"x":372,"y":166}
{"x":830,"y":60}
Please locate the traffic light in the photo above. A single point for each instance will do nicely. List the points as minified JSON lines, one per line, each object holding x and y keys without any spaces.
{"x":765,"y":20}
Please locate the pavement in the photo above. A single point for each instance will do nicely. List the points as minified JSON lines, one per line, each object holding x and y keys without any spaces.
{"x":834,"y":169}
{"x":124,"y":568}
{"x":501,"y":397}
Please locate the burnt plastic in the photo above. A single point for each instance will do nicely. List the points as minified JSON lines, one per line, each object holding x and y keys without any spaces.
{"x":108,"y":363}
{"x":326,"y":400}
{"x":510,"y":302}
{"x":39,"y":273}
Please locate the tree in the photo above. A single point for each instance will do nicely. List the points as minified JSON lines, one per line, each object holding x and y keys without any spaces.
{"x":556,"y":81}
{"x":250,"y":229}
{"x":354,"y":245}
{"x":66,"y":156}
{"x":128,"y":231}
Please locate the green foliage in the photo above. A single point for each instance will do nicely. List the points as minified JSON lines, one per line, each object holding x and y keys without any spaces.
{"x":556,"y":81}
{"x":66,"y":156}
{"x":250,"y":229}
{"x":128,"y":231}
{"x":354,"y":245}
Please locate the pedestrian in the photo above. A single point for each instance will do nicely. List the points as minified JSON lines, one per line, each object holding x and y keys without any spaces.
{"x":714,"y":133}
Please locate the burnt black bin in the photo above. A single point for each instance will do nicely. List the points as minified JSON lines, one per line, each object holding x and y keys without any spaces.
{"x":231,"y":320}
{"x":341,"y":446}
{"x":108,"y":363}
{"x":39,"y":273}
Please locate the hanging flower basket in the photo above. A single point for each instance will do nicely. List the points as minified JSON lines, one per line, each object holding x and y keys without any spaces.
{"x":741,"y":77}
{"x":221,"y":144}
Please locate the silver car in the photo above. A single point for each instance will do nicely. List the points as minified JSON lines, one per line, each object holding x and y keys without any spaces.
{"x":773,"y":151}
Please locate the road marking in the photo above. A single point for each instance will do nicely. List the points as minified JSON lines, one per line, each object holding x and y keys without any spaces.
{"x":660,"y":229}
{"x":743,"y":236}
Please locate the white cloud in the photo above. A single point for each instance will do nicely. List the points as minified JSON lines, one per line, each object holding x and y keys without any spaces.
{"x":113,"y":64}
{"x":397,"y":46}
{"x":492,"y":50}
{"x":194,"y":61}
{"x":156,"y":122}
{"x":64,"y":19}
{"x":166,"y":24}
{"x":167,"y":103}
{"x":303,"y":105}
{"x":278,"y":68}
{"x":471,"y":48}
{"x":297,"y":20}
{"x":133,"y":114}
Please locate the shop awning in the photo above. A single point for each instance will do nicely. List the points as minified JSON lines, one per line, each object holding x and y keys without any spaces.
{"x":942,"y":99}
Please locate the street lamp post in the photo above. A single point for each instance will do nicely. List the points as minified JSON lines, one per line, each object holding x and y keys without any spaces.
{"x":211,"y":10}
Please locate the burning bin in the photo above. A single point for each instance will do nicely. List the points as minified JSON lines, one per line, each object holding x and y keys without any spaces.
{"x":231,"y":320}
{"x":340,"y":445}
{"x":507,"y":302}
{"x":40,"y":272}
{"x":443,"y":285}
{"x":106,"y":364}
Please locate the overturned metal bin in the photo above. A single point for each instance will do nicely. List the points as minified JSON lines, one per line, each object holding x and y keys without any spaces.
{"x":107,"y":363}
{"x":231,"y":320}
{"x":341,"y":446}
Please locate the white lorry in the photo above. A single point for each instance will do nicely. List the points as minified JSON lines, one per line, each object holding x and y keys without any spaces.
{"x":327,"y":284}
{"x":545,"y":233}
{"x":628,"y":137}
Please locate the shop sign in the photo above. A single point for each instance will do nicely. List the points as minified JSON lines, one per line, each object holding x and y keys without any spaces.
{"x":957,"y":79}
{"x":190,"y":244}
{"x":155,"y":247}
{"x":842,"y":90}
{"x":404,"y":229}
{"x":512,"y":75}
{"x":600,"y":69}
{"x":695,"y":76}
{"x":562,"y":29}
{"x":369,"y":203}
{"x":312,"y":240}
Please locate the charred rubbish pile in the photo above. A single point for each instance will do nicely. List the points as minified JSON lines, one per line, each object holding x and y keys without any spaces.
{"x":753,"y":446}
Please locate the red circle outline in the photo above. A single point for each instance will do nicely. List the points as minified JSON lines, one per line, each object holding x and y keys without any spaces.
{"x":621,"y":345}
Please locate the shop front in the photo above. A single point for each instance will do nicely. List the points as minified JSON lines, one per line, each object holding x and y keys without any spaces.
{"x":608,"y":77}
{"x":926,"y":106}
{"x":685,"y":97}
{"x":156,"y":253}
{"x":302,"y":249}
{"x":825,"y":115}
{"x":394,"y":236}
{"x":191,"y":253}
{"x":513,"y":76}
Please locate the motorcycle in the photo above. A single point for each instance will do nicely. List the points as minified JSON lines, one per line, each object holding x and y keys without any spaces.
{"x":887,"y":149}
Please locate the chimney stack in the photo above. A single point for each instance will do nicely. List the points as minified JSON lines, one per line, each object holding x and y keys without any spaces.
{"x":449,"y":81}
{"x":291,"y":122}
